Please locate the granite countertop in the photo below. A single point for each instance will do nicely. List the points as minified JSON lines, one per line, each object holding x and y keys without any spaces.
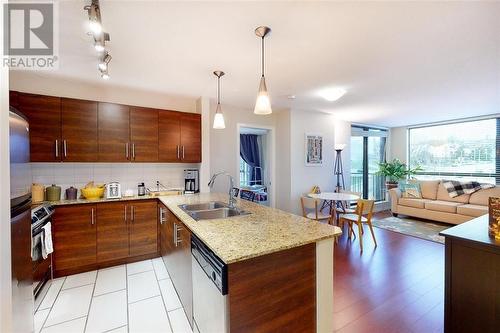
{"x":265,"y":230}
{"x":100,"y":200}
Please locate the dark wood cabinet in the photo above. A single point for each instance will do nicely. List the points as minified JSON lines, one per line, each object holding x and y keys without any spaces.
{"x":166,"y":234}
{"x":143,"y":228}
{"x":179,"y":137}
{"x":178,"y":261}
{"x":74,"y":237}
{"x":79,"y":130}
{"x":112,"y":231}
{"x":144,"y":134}
{"x":13,"y":99}
{"x":44,"y":117}
{"x":169,"y":136}
{"x":114,"y":132}
{"x":190,"y":138}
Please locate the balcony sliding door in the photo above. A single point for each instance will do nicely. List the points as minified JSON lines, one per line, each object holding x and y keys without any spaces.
{"x":367,"y":151}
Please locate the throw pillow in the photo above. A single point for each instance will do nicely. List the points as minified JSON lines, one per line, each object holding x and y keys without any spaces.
{"x":410,"y":190}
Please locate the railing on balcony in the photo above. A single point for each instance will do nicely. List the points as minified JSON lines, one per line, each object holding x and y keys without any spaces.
{"x":376,"y":185}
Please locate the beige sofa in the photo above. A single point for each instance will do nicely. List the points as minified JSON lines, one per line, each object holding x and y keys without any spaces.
{"x":437,"y":205}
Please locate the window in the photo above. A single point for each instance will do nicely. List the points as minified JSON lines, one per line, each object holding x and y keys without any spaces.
{"x":463,"y":150}
{"x":245,"y":173}
{"x":367,"y":151}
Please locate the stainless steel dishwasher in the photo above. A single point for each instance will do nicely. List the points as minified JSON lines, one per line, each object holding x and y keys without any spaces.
{"x":210,"y":301}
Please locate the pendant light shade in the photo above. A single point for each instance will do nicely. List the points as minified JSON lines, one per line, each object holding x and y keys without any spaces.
{"x":219,"y":117}
{"x":263,"y":102}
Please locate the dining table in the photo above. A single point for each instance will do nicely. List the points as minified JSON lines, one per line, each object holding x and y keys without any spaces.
{"x":333,"y":198}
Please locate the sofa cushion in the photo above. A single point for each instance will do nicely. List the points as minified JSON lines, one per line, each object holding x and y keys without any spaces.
{"x":429,"y":189}
{"x":442,"y":206}
{"x":442,"y":194}
{"x":415,"y":203}
{"x":472,"y":210}
{"x":410,"y":189}
{"x":481,"y":197}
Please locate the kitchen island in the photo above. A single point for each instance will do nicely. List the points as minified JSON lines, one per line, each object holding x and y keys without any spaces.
{"x":279,"y":265}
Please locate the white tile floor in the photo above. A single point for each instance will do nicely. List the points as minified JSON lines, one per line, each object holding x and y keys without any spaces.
{"x":138,"y":297}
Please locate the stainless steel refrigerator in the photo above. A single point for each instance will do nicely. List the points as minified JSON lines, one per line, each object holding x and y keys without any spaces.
{"x":20,"y":223}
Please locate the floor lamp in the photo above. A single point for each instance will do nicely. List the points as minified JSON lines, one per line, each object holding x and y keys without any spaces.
{"x":338,"y":168}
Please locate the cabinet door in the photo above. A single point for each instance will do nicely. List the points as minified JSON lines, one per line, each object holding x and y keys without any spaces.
{"x":79,"y":130}
{"x":74,"y":236}
{"x":114,"y":132}
{"x":190,"y":137}
{"x":44,"y":117}
{"x":112,"y":231}
{"x":169,"y":136}
{"x":143,"y":228}
{"x":144,"y":134}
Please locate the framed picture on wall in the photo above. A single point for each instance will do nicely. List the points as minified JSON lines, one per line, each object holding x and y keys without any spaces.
{"x":314,"y":149}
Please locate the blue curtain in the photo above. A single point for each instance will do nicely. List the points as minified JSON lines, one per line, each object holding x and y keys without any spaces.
{"x":250,"y":153}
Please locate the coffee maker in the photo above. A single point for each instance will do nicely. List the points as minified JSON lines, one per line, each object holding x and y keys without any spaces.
{"x":191,"y":181}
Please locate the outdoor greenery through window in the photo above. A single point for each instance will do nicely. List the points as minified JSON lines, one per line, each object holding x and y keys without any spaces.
{"x":466,"y":150}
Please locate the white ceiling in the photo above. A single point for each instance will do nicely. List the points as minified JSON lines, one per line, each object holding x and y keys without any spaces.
{"x":401,"y":62}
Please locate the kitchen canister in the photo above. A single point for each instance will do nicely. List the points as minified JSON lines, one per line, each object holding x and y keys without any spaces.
{"x":71,"y":193}
{"x":53,"y":193}
{"x":37,"y":192}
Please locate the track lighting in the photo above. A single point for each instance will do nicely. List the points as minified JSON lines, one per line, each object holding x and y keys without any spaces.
{"x":105,"y":75}
{"x":94,"y":17}
{"x":263,"y":102}
{"x":103,"y":65}
{"x":219,"y":117}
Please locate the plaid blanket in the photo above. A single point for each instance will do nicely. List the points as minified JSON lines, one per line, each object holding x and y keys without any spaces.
{"x":456,"y":188}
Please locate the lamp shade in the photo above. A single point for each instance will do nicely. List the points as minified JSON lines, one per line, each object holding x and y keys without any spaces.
{"x":340,"y":146}
{"x":263,"y":102}
{"x":219,"y":119}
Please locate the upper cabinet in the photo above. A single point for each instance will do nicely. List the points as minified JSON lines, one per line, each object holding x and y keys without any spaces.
{"x":73,"y":130}
{"x":144,"y":134}
{"x":114,"y":132}
{"x":79,"y":130}
{"x":179,"y":137}
{"x":44,"y":117}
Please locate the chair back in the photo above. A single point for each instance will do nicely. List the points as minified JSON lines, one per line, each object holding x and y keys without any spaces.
{"x":365,"y":207}
{"x":309,"y":204}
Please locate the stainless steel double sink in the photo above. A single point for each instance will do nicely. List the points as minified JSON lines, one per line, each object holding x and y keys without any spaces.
{"x":211,"y":210}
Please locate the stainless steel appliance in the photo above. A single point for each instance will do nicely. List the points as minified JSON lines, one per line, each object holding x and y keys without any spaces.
{"x":210,"y":299}
{"x":20,"y":223}
{"x":42,"y":268}
{"x":113,"y":190}
{"x":191,"y":181}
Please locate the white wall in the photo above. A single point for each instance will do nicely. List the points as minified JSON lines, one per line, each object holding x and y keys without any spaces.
{"x":398,"y":143}
{"x":283,"y":166}
{"x":203,"y":107}
{"x":107,"y":91}
{"x":302,"y":176}
{"x":224,"y":150}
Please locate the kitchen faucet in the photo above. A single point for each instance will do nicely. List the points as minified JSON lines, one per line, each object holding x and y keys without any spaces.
{"x":232,"y":200}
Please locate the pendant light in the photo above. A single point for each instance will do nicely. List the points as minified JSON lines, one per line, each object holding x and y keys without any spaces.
{"x":219,"y":117}
{"x":263,"y":103}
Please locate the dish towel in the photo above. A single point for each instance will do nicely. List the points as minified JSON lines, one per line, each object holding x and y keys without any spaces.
{"x":47,"y":247}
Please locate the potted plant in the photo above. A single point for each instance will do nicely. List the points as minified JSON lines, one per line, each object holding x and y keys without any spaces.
{"x":395,"y":171}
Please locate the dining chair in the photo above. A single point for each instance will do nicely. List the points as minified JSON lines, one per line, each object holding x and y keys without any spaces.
{"x":310,"y":209}
{"x":362,"y":214}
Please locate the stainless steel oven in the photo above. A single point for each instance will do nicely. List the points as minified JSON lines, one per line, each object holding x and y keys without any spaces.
{"x":42,"y":268}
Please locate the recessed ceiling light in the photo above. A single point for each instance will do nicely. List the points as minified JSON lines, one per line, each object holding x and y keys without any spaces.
{"x":332,"y":94}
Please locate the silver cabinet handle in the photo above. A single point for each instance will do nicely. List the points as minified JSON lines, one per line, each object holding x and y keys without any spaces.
{"x":57,"y":148}
{"x":133,"y":151}
{"x":126,"y":150}
{"x":92,"y":214}
{"x":161,"y":215}
{"x":182,"y":152}
{"x":175,"y":234}
{"x":65,"y":148}
{"x":178,"y":152}
{"x":125,"y":214}
{"x":177,"y":239}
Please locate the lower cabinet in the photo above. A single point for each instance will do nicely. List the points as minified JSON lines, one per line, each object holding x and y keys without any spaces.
{"x":175,"y":248}
{"x":90,"y":236}
{"x":74,"y":237}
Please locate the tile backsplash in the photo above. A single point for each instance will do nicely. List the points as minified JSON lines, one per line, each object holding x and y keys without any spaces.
{"x":127,"y":174}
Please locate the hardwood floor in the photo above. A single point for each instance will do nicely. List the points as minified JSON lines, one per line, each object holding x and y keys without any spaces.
{"x":395,"y":287}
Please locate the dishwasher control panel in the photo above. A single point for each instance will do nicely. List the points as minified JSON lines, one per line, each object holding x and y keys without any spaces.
{"x":213,"y":266}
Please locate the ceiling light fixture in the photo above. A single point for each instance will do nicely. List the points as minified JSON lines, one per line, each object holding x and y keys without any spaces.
{"x":219,"y":117}
{"x":94,"y":17}
{"x":263,"y":102}
{"x":332,"y":94}
{"x":105,"y":75}
{"x":103,"y":64}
